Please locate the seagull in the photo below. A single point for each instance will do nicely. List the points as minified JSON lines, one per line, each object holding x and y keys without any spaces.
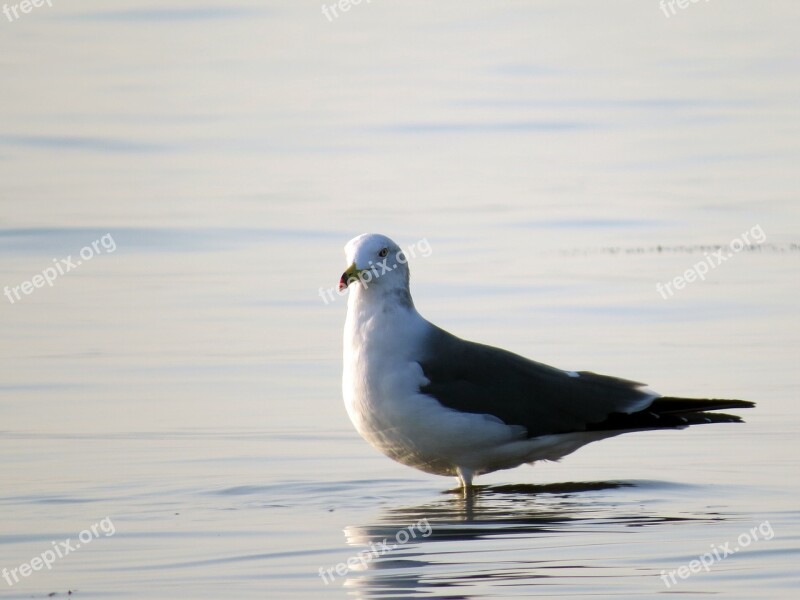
{"x":448,"y":406}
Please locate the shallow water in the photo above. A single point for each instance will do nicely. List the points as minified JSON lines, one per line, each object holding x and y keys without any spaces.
{"x":180,"y":392}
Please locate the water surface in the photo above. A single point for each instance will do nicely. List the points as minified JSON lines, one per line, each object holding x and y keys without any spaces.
{"x":560,"y":159}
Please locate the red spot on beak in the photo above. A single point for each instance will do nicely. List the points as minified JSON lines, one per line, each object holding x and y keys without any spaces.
{"x":344,"y":281}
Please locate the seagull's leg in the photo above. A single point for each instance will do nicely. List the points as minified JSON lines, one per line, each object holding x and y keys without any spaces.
{"x":465,"y":477}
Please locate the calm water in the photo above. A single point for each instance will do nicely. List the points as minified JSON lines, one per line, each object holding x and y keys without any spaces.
{"x":178,"y":390}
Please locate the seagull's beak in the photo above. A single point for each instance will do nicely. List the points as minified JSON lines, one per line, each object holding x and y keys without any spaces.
{"x":349,"y":276}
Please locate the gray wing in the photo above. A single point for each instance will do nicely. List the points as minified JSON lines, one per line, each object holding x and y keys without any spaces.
{"x":481,"y":379}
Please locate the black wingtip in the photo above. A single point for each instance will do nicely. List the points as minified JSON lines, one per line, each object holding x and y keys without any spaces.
{"x":673,"y":405}
{"x":669,"y":412}
{"x":712,"y":417}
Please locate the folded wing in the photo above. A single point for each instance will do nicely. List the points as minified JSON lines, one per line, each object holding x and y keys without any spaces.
{"x":481,"y":379}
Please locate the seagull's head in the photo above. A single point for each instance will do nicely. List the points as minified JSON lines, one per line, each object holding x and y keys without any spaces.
{"x":374,"y":260}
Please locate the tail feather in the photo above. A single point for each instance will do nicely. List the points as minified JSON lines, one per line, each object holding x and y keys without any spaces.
{"x":669,"y":412}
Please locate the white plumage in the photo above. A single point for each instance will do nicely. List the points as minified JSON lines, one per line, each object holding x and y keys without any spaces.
{"x":450,"y":407}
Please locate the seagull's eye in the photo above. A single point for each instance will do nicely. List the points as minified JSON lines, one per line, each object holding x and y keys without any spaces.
{"x":383,"y":252}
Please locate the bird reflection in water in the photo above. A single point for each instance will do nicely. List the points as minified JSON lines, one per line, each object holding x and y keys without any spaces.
{"x":526,"y":532}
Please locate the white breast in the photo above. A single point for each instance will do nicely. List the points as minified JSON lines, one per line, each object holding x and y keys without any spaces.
{"x":381,"y":383}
